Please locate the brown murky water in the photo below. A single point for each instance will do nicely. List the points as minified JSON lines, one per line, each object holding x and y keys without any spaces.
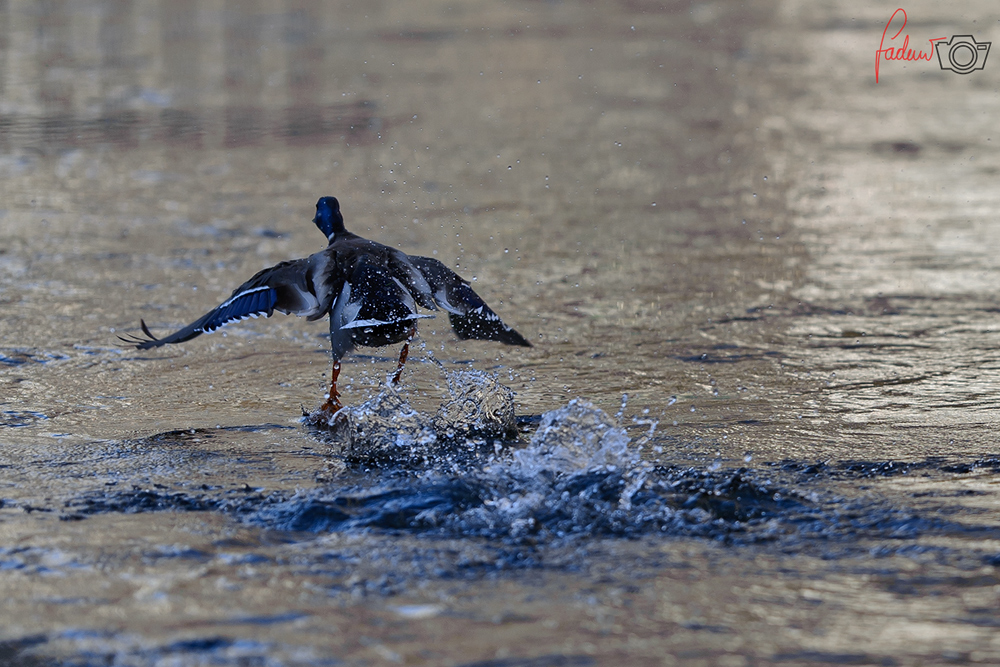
{"x":710,"y":208}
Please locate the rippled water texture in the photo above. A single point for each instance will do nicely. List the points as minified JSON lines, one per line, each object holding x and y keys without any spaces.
{"x":757,"y":423}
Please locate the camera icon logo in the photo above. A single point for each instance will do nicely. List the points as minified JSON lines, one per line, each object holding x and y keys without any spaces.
{"x":962,"y":54}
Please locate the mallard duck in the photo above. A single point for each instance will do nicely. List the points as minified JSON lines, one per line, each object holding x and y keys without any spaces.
{"x":371,"y":292}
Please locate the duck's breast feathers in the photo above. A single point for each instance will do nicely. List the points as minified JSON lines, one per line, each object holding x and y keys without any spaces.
{"x":351,"y":251}
{"x":373,"y":297}
{"x":373,"y":308}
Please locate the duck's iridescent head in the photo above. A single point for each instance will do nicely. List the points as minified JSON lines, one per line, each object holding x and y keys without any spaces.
{"x":328,"y":217}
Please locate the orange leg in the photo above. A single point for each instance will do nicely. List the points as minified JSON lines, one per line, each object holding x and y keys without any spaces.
{"x":333,"y":403}
{"x":403,"y":354}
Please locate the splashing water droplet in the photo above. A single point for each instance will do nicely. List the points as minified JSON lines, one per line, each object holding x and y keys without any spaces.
{"x":575,"y":438}
{"x":621,"y":411}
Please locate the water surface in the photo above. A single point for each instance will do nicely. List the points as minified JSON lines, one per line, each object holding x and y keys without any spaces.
{"x":756,"y":424}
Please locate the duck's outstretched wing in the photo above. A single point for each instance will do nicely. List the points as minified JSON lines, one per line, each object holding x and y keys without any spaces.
{"x":469,"y":315}
{"x":286,"y":287}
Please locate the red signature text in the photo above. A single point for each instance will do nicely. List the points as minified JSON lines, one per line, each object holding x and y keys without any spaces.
{"x":902,"y":52}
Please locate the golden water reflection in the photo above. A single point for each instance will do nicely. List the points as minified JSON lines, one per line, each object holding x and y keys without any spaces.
{"x":182,"y":73}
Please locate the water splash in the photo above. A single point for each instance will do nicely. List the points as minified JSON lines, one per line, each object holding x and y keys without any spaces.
{"x":480,"y":407}
{"x":576,"y":438}
{"x":578,"y":475}
{"x":386,"y":428}
{"x":477,"y":417}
